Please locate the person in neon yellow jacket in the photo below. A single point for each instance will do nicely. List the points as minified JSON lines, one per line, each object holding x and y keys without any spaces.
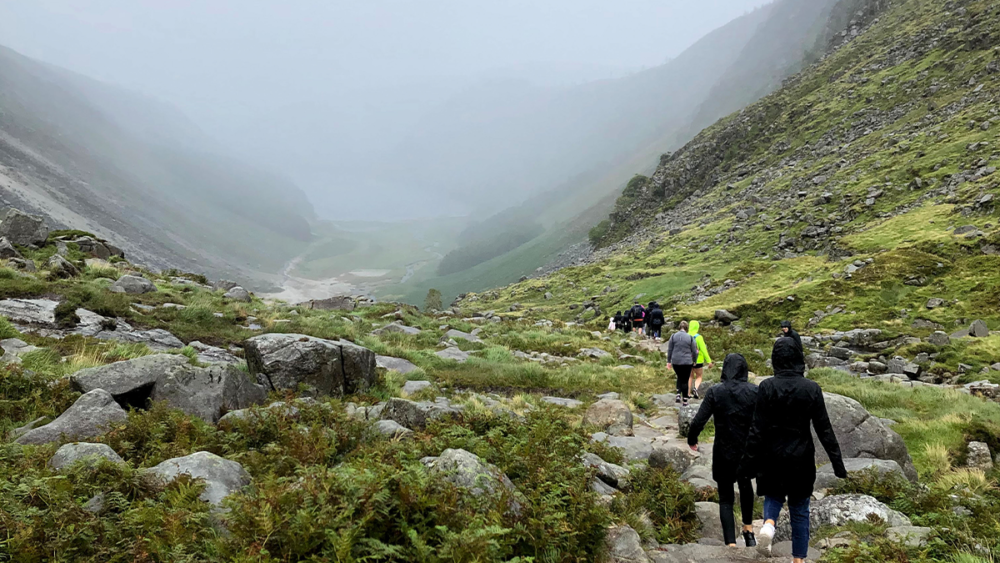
{"x":703,"y":358}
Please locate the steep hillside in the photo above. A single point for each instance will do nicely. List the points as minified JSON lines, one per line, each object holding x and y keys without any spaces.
{"x":653,"y":112}
{"x":132,"y":170}
{"x":860,"y":195}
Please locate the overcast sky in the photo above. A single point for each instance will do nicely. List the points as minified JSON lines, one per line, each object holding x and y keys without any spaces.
{"x":230,"y":63}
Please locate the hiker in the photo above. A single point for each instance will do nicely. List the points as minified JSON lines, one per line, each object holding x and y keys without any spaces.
{"x":787,"y":330}
{"x":649,"y":319}
{"x":611,"y":324}
{"x":616,"y":322}
{"x":703,"y":358}
{"x":682,"y":351}
{"x":779,"y":449}
{"x":638,"y":315}
{"x":732,"y":404}
{"x":656,"y":321}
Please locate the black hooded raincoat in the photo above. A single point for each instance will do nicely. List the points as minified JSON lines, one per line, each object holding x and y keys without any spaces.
{"x":779,"y":448}
{"x":732,"y":404}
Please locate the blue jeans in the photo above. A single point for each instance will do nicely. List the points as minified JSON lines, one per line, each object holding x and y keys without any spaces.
{"x":799,"y":512}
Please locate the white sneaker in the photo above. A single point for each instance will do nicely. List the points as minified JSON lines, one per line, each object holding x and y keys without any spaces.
{"x":764,"y":538}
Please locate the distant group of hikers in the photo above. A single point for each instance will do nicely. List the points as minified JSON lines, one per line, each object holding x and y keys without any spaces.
{"x":644,"y":321}
{"x":761,"y":433}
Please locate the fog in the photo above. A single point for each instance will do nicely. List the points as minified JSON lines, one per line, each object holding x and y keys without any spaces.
{"x":377,"y":109}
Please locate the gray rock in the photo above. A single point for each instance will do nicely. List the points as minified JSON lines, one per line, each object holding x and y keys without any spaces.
{"x":934,"y":303}
{"x":415,"y":415}
{"x":395,"y":364}
{"x":411,"y":387}
{"x":685,"y":415}
{"x":61,"y":267}
{"x":396,"y":328}
{"x":88,"y":453}
{"x":89,"y":417}
{"x":979,"y":457}
{"x":561,"y":402}
{"x":725,"y":318}
{"x":207,"y":392}
{"x":338,"y":303}
{"x":22,"y":264}
{"x":96,"y":504}
{"x":614,"y":475}
{"x":7,"y":250}
{"x":468,"y":471}
{"x":623,"y":545}
{"x":123,"y":378}
{"x":825,"y":478}
{"x":459,"y":335}
{"x":213,"y":355}
{"x":910,"y":536}
{"x":700,"y":477}
{"x":877,"y":367}
{"x":709,"y":524}
{"x":782,"y":551}
{"x":862,"y":435}
{"x":897,"y":365}
{"x":979,"y":329}
{"x":453,"y":353}
{"x":840,"y":353}
{"x":392,"y":429}
{"x":594,"y":353}
{"x":840,"y":510}
{"x":133,"y":285}
{"x":30,"y":312}
{"x":610,"y":415}
{"x":222,"y":477}
{"x":602,"y":488}
{"x":238,"y":294}
{"x":22,"y":430}
{"x":633,"y":448}
{"x":322,"y":367}
{"x":224,"y":285}
{"x":939,"y":338}
{"x":20,"y":228}
{"x":677,"y":457}
{"x":95,"y":326}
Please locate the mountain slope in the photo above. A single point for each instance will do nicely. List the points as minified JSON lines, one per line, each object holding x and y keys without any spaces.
{"x":87,"y":154}
{"x":857,"y":196}
{"x":667,"y":106}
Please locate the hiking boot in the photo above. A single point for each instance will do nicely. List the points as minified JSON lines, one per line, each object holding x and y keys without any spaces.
{"x":764,"y":542}
{"x":749,"y":539}
{"x":685,"y":403}
{"x":677,"y":400}
{"x":695,"y":395}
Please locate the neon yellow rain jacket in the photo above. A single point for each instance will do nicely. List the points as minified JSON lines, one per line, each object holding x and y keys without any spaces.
{"x":703,"y":357}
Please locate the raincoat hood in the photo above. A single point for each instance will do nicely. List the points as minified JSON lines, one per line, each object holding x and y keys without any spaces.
{"x":786,"y":358}
{"x":786,"y":324}
{"x":735,"y":368}
{"x":693,"y":328}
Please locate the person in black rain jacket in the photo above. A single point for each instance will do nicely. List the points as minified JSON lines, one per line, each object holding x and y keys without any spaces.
{"x":656,"y":321}
{"x":787,"y":330}
{"x":732,"y":404}
{"x":779,"y":449}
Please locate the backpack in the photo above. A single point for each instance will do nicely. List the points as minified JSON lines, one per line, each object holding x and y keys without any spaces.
{"x":638,"y":313}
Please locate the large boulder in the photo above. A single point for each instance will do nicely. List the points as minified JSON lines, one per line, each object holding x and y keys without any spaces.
{"x":222,"y":477}
{"x":610,"y":415}
{"x":862,"y":435}
{"x":339,"y":303}
{"x":840,"y":510}
{"x":623,"y":545}
{"x":323,"y":367}
{"x":725,"y":318}
{"x":396,"y":328}
{"x":826,"y":479}
{"x":20,"y":228}
{"x":979,"y":456}
{"x":939,"y":338}
{"x":95,"y":326}
{"x":30,"y":312}
{"x":133,"y":285}
{"x":978,"y":329}
{"x":71,"y":453}
{"x":131,"y":377}
{"x":468,"y":471}
{"x":208,"y":392}
{"x":677,"y":457}
{"x":238,"y":294}
{"x":415,"y":415}
{"x":89,"y":417}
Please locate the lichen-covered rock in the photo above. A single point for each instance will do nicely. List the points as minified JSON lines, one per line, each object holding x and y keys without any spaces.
{"x":825,"y":478}
{"x":678,"y":458}
{"x":89,"y":417}
{"x":133,"y":285}
{"x":610,"y":415}
{"x":207,"y":392}
{"x":468,"y":471}
{"x":395,"y":364}
{"x":322,"y":367}
{"x":415,"y":415}
{"x":862,"y":435}
{"x":614,"y":475}
{"x":71,"y":453}
{"x":840,"y":510}
{"x":21,"y":228}
{"x":222,"y":477}
{"x":122,"y":378}
{"x":623,"y":545}
{"x":979,"y":457}
{"x":238,"y":294}
{"x":61,"y":267}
